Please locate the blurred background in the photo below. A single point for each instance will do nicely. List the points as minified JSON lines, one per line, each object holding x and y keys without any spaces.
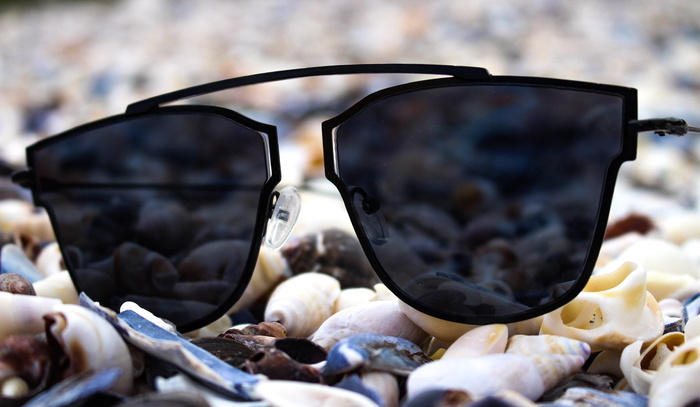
{"x":63,"y":63}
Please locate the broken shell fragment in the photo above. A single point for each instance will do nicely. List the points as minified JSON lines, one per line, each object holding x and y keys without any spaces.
{"x":639,"y":367}
{"x":303,"y":302}
{"x":675,"y":382}
{"x":613,"y":310}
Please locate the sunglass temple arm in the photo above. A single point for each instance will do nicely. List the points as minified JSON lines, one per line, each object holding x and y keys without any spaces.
{"x":662,"y":127}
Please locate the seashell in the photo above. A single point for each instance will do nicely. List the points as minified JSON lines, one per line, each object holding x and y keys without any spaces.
{"x":277,"y":365}
{"x":270,"y":270}
{"x":22,"y":217}
{"x":13,"y":260}
{"x":659,"y":255}
{"x":582,"y":379}
{"x":60,"y":286}
{"x":379,"y":317}
{"x":22,"y":313}
{"x":88,"y":342}
{"x":79,"y":387}
{"x":490,"y":374}
{"x":587,"y":397}
{"x":675,"y":382}
{"x":692,"y":327}
{"x":303,"y":302}
{"x":353,"y":296}
{"x":613,"y":310}
{"x":607,"y":362}
{"x":383,"y":293}
{"x":50,"y":261}
{"x":374,"y":352}
{"x":441,"y":397}
{"x":177,"y":351}
{"x":16,"y":284}
{"x":273,"y":329}
{"x":232,"y":352}
{"x":680,"y":227}
{"x":170,"y":399}
{"x":281,"y":393}
{"x":479,"y":341}
{"x":144,"y":313}
{"x":179,"y":384}
{"x":677,"y":286}
{"x":213,"y":329}
{"x":25,"y":365}
{"x":639,"y":367}
{"x":612,"y":248}
{"x":333,"y":252}
{"x":385,"y":385}
{"x":546,"y":345}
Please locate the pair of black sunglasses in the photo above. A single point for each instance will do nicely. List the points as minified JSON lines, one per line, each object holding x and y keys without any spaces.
{"x":476,"y":198}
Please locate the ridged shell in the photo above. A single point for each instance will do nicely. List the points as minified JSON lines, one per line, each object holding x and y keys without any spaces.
{"x":303,"y":302}
{"x":546,"y":345}
{"x":613,"y":310}
{"x":479,"y":341}
{"x":639,"y":367}
{"x":16,"y":284}
{"x":379,"y":317}
{"x":21,"y":314}
{"x":89,"y":342}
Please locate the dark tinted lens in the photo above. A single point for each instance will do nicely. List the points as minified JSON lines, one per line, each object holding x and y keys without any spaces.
{"x":159,"y":210}
{"x":480,"y":201}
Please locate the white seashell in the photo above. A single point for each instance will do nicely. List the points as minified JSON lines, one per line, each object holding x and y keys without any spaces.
{"x":607,"y":362}
{"x":269,"y":271}
{"x":283,"y":393}
{"x":22,"y":217}
{"x":479,"y":341}
{"x":639,"y":367}
{"x":546,"y":345}
{"x":383,"y":293}
{"x":677,"y":286}
{"x":680,"y":227}
{"x":14,"y":387}
{"x":385,"y":384}
{"x":350,"y":297}
{"x":50,"y":261}
{"x":613,"y":310}
{"x":675,"y":383}
{"x":215,"y":328}
{"x":22,"y":314}
{"x":447,"y":331}
{"x":659,"y":255}
{"x":59,"y":286}
{"x":303,"y":302}
{"x":613,"y":248}
{"x":379,"y":317}
{"x":90,"y":343}
{"x":692,"y":328}
{"x":487,"y":375}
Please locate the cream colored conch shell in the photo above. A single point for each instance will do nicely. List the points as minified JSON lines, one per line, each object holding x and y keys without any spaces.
{"x":676,"y":380}
{"x":303,"y":302}
{"x":639,"y":367}
{"x":613,"y":310}
{"x":269,"y":271}
{"x":58,"y":285}
{"x":479,"y":341}
{"x":90,"y":343}
{"x":529,"y":375}
{"x":21,"y":314}
{"x":379,"y":317}
{"x":281,"y":393}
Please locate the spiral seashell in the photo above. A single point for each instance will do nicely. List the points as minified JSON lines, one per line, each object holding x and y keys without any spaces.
{"x":21,"y":314}
{"x":60,"y":286}
{"x":270,"y":270}
{"x":639,"y":367}
{"x":16,"y":284}
{"x":490,"y":374}
{"x":89,"y":342}
{"x":281,"y":393}
{"x":379,"y":317}
{"x":675,"y":382}
{"x":479,"y":341}
{"x":613,"y":310}
{"x":303,"y":302}
{"x":546,"y":345}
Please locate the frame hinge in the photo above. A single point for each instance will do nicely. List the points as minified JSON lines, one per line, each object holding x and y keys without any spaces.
{"x":662,"y":127}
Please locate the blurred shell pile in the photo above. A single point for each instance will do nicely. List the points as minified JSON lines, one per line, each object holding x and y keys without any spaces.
{"x":329,"y":334}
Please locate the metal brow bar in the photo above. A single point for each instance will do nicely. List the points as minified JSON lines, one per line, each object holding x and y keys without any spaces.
{"x":664,"y":126}
{"x":463,"y":72}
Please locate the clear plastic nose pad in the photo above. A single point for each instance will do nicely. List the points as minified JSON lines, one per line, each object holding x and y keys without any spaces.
{"x":369,"y":211}
{"x":283,"y":218}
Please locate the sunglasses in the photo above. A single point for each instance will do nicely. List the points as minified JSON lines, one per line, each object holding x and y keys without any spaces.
{"x":476,"y":198}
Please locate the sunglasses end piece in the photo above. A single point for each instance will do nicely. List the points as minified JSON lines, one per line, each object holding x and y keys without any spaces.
{"x":283,"y":218}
